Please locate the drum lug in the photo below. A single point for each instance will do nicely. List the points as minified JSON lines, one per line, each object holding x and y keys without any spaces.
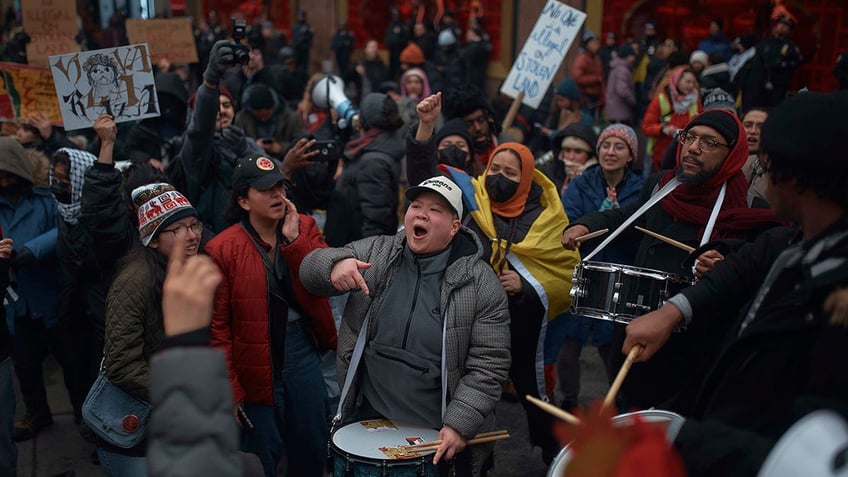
{"x":636,"y":306}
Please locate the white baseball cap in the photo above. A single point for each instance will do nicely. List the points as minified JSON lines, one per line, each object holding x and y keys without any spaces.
{"x":442,"y":186}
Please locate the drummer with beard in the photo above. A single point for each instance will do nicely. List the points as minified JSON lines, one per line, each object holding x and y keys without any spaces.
{"x":712,"y":150}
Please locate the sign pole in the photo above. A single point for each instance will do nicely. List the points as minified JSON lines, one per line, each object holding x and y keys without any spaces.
{"x":513,"y":110}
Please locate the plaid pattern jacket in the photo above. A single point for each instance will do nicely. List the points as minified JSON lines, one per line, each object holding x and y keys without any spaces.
{"x":472,"y":300}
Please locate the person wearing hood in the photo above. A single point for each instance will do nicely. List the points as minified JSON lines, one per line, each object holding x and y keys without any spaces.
{"x":366,"y":199}
{"x":517,"y":215}
{"x":269,"y":121}
{"x":28,"y":216}
{"x":83,"y":284}
{"x":413,"y":56}
{"x":572,"y":154}
{"x":713,"y":148}
{"x":621,"y":91}
{"x":674,"y":105}
{"x":429,"y":150}
{"x":449,"y":62}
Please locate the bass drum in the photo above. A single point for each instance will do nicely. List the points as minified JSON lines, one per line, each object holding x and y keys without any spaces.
{"x":670,"y":421}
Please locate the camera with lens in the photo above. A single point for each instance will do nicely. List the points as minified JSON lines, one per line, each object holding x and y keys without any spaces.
{"x":241,"y":52}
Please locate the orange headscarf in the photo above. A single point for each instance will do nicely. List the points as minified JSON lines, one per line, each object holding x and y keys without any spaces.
{"x":515,"y":205}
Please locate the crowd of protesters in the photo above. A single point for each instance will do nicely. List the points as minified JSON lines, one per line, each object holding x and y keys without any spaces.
{"x":244,"y":168}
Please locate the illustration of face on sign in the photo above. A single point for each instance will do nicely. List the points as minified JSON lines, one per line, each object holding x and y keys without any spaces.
{"x":115,"y":81}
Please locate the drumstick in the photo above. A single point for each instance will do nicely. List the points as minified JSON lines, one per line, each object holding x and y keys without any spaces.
{"x":667,"y":240}
{"x":433,"y":445}
{"x":554,"y":411}
{"x":591,"y":235}
{"x":482,"y":435}
{"x":622,"y":373}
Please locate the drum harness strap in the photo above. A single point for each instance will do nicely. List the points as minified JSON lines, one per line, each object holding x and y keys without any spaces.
{"x":647,"y":205}
{"x":670,"y":186}
{"x":356,"y":357}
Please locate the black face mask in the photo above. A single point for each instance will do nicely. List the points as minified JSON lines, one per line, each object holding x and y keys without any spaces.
{"x":61,"y":191}
{"x":499,"y":188}
{"x":453,"y":156}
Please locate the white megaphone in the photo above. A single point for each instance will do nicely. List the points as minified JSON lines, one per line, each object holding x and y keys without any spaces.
{"x":328,"y":93}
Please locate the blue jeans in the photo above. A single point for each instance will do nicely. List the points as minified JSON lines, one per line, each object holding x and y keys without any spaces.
{"x":296,"y":425}
{"x":8,"y":449}
{"x":116,"y":464}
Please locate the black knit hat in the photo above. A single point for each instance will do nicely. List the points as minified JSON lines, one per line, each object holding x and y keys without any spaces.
{"x":808,"y":129}
{"x":720,"y":120}
{"x":457,"y":127}
{"x":578,"y":130}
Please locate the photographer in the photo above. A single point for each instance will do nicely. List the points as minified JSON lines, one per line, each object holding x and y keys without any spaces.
{"x":213,"y":144}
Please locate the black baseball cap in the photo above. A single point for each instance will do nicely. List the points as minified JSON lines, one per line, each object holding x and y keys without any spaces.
{"x":258,"y":172}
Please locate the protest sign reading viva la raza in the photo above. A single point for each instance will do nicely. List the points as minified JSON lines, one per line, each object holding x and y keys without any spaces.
{"x":539,"y":60}
{"x":115,"y":81}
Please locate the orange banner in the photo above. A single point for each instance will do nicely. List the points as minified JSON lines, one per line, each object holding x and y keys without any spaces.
{"x":25,"y":90}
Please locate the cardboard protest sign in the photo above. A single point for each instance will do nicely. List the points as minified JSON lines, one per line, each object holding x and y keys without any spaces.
{"x":170,"y":38}
{"x":539,"y":60}
{"x":52,"y":27}
{"x":25,"y":90}
{"x":116,"y":81}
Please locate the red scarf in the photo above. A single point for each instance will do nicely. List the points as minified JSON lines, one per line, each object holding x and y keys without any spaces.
{"x":694,"y":203}
{"x":355,"y":146}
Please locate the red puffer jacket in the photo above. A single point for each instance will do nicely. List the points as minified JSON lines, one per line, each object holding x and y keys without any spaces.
{"x":240,"y":321}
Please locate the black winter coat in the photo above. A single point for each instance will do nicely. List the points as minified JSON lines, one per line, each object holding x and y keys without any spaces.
{"x":366,"y":198}
{"x":669,"y":379}
{"x":783,"y":364}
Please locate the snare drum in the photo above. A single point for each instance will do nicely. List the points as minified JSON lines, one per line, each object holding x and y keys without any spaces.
{"x":670,"y":421}
{"x":609,"y":291}
{"x":374,"y":448}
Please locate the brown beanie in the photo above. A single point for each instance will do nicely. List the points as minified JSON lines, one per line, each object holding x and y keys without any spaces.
{"x":412,"y":54}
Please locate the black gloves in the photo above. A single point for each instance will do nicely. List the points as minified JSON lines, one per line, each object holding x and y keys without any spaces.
{"x":221,"y":57}
{"x":22,"y":257}
{"x":233,"y":138}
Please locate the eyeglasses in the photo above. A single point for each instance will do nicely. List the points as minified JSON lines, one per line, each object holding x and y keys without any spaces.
{"x":180,"y":230}
{"x":706,"y":144}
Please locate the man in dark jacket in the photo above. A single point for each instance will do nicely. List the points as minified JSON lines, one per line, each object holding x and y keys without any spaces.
{"x":302,"y":40}
{"x":395,"y":40}
{"x":777,"y":362}
{"x":710,"y":158}
{"x":342,"y":45}
{"x":270,"y":121}
{"x":212,"y":143}
{"x":776,"y":60}
{"x":366,"y":199}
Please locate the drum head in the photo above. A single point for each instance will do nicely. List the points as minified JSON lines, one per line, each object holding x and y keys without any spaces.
{"x":669,"y":420}
{"x":374,"y":439}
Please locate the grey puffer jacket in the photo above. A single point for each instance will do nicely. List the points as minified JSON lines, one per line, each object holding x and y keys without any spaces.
{"x":472,"y":300}
{"x":192,"y":430}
